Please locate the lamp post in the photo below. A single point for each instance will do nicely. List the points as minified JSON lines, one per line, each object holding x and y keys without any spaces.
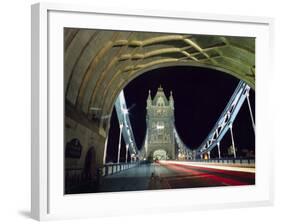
{"x":219,"y":150}
{"x":232,"y":140}
{"x":251,"y":113}
{"x":119,"y":144}
{"x":127,"y":147}
{"x":146,"y":144}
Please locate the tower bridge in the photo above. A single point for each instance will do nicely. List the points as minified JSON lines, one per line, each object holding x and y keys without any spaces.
{"x":164,"y":161}
{"x":162,"y":140}
{"x":99,"y":64}
{"x":164,"y":152}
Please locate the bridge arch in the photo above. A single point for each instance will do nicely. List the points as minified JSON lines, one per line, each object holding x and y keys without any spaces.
{"x":112,"y":96}
{"x":160,"y":154}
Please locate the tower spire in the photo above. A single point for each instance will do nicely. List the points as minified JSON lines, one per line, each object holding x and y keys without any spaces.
{"x":149,"y":100}
{"x":171,"y":99}
{"x":149,"y":94}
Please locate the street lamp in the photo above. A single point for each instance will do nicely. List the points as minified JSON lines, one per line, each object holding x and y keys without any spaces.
{"x":119,"y":144}
{"x":232,"y":140}
{"x":219,"y":150}
{"x":127,"y":147}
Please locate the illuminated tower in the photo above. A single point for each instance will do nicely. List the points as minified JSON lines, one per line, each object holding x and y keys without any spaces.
{"x":160,"y":142}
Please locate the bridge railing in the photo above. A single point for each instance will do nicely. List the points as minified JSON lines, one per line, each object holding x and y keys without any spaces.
{"x":112,"y":168}
{"x":249,"y":161}
{"x":73,"y":177}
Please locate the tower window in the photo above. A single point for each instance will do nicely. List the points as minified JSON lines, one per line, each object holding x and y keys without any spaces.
{"x":160,"y":102}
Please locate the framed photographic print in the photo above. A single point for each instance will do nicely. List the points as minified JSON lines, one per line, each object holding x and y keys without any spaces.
{"x":144,"y":108}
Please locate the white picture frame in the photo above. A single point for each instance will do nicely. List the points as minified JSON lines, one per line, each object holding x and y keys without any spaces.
{"x":48,"y":201}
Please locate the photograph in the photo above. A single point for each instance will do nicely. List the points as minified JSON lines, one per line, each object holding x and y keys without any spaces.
{"x":157,"y":111}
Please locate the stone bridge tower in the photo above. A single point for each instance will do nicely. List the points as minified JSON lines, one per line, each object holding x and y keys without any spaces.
{"x":160,"y":141}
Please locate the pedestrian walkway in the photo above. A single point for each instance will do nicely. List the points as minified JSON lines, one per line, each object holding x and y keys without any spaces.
{"x":136,"y":178}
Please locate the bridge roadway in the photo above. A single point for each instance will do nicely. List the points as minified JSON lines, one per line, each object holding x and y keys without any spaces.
{"x":176,"y":174}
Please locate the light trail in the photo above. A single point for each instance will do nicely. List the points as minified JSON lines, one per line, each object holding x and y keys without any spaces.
{"x":212,"y":166}
{"x":199,"y":174}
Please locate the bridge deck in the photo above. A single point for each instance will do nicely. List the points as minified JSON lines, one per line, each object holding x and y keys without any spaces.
{"x":171,"y":175}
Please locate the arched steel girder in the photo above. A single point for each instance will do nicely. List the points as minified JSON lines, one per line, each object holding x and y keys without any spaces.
{"x":221,"y":127}
{"x":124,"y":121}
{"x":225,"y":120}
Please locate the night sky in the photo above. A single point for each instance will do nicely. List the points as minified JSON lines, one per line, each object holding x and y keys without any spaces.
{"x":200,"y":95}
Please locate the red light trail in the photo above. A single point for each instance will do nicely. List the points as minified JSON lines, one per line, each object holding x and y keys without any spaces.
{"x":207,"y":175}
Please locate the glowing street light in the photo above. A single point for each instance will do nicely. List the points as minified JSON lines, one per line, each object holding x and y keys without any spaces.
{"x":125,"y":110}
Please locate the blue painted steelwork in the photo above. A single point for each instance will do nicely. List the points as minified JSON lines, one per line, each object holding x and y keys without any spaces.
{"x":216,"y":134}
{"x":182,"y":147}
{"x":226,"y":119}
{"x":123,"y":118}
